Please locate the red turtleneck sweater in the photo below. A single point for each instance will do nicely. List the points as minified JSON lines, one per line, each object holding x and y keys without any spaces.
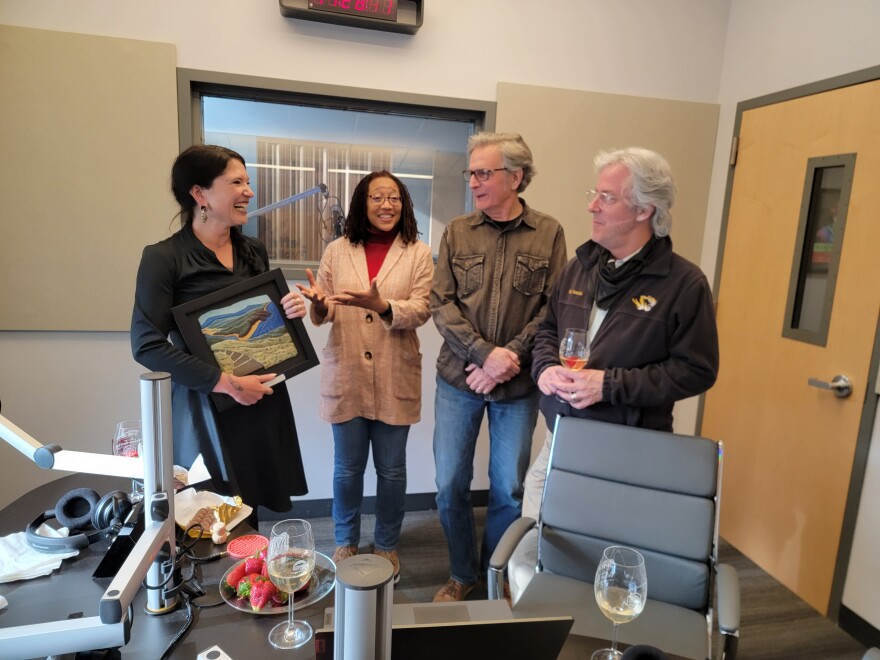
{"x":376,"y":248}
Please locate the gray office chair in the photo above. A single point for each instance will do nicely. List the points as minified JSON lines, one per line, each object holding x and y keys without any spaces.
{"x":657,"y":492}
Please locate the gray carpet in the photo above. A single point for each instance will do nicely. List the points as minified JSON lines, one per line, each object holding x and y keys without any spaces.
{"x":776,"y":624}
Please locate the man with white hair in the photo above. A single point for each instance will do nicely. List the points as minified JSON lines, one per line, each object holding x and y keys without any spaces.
{"x":648,"y":312}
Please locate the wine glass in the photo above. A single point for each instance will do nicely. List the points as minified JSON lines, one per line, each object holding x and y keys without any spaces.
{"x":574,"y":351}
{"x":621,"y":587}
{"x":291,"y":558}
{"x":128,"y":441}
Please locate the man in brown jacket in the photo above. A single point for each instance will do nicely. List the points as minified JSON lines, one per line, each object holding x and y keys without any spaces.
{"x":491,"y":283}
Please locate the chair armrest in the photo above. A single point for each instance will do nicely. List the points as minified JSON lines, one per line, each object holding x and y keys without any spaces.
{"x":728,"y":610}
{"x":503,"y":552}
{"x":511,"y":538}
{"x":727,"y":595}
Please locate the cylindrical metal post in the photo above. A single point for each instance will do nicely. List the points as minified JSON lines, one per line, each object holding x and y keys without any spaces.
{"x":363,"y":607}
{"x":158,"y":471}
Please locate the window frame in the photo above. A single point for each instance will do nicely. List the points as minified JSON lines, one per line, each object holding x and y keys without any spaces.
{"x":818,"y":337}
{"x":193,"y":84}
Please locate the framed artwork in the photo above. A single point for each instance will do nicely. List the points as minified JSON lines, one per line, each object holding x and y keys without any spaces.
{"x":243,"y":330}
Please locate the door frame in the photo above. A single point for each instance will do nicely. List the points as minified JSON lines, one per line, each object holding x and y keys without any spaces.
{"x":844,"y":618}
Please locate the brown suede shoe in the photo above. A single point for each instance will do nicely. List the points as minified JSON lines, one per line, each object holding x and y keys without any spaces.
{"x":453,"y":591}
{"x":344,"y":552}
{"x":390,"y":555}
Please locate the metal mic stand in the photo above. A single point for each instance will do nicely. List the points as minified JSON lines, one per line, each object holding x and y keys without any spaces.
{"x":112,"y":626}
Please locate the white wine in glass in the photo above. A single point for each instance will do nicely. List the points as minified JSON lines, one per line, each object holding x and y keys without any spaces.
{"x":574,"y":351}
{"x":621,"y":588}
{"x":291,"y":558}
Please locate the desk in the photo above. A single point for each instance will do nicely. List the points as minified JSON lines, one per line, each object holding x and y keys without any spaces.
{"x":71,"y":589}
{"x":581,"y":648}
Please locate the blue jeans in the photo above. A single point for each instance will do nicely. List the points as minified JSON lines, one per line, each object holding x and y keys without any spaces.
{"x":352,"y":441}
{"x":457,"y":419}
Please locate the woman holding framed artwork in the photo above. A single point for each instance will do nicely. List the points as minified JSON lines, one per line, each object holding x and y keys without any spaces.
{"x":373,"y":286}
{"x":251,"y":449}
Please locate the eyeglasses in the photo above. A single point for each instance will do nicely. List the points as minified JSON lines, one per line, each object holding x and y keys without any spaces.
{"x":481,"y":175}
{"x":394,"y":200}
{"x":605,"y":199}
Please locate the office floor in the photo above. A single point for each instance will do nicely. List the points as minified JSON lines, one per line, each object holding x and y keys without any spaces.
{"x":776,"y":624}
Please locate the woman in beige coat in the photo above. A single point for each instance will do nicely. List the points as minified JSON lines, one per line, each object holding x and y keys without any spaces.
{"x":373,"y":286}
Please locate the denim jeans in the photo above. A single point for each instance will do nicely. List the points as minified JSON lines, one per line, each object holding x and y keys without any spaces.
{"x":457,"y":418}
{"x":352,"y":441}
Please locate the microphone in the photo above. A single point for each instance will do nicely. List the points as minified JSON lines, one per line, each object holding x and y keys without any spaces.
{"x":337,"y":218}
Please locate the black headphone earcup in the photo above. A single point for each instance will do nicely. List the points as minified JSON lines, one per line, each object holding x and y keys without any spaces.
{"x":111,"y":509}
{"x":74,"y":509}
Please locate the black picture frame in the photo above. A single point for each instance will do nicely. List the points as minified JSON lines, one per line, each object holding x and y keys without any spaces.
{"x":248,"y":304}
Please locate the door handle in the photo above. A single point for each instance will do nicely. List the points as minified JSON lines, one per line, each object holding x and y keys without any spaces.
{"x":841,"y":385}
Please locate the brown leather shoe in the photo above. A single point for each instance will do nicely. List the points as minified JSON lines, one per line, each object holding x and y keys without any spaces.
{"x":390,"y":555}
{"x":453,"y":591}
{"x":344,"y":552}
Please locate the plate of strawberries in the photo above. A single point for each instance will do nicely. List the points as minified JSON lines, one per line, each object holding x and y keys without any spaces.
{"x":246,"y":585}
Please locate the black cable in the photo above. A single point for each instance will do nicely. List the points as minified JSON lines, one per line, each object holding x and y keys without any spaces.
{"x":186,"y":626}
{"x":182,"y":549}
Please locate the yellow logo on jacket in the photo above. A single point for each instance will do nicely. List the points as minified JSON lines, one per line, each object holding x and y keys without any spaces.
{"x":644,"y":303}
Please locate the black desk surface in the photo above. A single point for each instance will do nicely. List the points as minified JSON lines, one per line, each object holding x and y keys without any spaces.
{"x":71,"y":589}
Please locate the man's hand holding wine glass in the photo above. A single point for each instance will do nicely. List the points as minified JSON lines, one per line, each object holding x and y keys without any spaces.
{"x":579,"y":389}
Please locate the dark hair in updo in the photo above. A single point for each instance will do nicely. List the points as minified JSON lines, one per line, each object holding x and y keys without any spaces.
{"x":198,"y":165}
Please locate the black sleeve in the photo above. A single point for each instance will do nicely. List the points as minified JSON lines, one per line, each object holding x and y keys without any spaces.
{"x":152,"y":320}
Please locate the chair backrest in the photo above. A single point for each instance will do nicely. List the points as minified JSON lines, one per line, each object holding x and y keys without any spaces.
{"x":654,"y":491}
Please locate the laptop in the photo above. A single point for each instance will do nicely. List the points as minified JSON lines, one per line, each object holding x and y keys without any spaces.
{"x":468,"y":630}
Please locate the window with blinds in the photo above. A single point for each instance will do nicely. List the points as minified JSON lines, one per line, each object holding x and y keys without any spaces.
{"x":318,"y":152}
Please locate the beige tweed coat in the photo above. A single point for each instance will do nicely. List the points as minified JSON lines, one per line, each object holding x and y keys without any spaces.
{"x":372,"y":367}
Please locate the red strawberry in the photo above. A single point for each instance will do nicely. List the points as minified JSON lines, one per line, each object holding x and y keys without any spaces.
{"x":253,"y":565}
{"x":265,"y":571}
{"x":235,"y":576}
{"x":261,"y":593}
{"x":280,"y":598}
{"x":243,"y":590}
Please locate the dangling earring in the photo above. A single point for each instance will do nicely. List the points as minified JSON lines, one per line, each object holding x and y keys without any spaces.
{"x":204,"y":215}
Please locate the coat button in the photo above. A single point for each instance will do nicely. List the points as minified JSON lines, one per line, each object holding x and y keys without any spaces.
{"x":369,"y":318}
{"x":368,"y":355}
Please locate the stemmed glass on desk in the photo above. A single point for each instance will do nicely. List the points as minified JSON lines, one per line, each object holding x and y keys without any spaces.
{"x":574,"y":351}
{"x":621,"y":587}
{"x":128,"y":441}
{"x":291,"y":558}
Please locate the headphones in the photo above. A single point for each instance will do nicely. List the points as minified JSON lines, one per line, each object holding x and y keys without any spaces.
{"x":77,"y":510}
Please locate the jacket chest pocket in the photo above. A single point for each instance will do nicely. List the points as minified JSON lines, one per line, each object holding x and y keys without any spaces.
{"x":468,"y":273}
{"x":530,"y":274}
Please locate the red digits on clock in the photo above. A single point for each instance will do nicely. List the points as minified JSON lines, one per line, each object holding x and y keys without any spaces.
{"x":389,"y":5}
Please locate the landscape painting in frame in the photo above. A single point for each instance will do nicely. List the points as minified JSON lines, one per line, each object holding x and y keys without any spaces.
{"x":247,"y":335}
{"x":243,"y":330}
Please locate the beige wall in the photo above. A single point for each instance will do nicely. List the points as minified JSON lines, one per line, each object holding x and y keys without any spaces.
{"x":88,"y":132}
{"x":566,"y":128}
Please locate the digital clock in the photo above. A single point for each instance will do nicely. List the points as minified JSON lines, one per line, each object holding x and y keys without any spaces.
{"x":385,"y":10}
{"x":401,"y":16}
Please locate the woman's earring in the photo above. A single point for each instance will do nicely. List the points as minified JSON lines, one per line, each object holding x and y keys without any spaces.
{"x":204,"y":215}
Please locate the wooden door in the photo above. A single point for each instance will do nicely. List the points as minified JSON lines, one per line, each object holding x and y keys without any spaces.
{"x":790,"y":446}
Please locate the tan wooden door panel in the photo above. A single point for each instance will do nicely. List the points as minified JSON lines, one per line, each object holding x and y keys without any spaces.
{"x":789,"y":447}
